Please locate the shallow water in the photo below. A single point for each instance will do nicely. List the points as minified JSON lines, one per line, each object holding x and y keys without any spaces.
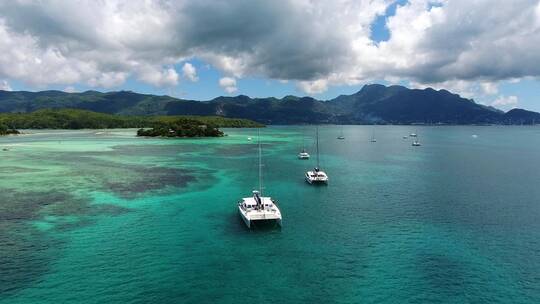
{"x":99,"y":216}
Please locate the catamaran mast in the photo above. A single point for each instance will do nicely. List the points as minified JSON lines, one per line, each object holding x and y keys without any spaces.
{"x":317,"y":147}
{"x":260,"y":162}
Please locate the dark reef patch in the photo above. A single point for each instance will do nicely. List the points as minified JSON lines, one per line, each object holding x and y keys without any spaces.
{"x":123,"y":179}
{"x":27,"y":252}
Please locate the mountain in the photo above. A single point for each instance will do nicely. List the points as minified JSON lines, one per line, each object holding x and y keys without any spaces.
{"x":372,"y":104}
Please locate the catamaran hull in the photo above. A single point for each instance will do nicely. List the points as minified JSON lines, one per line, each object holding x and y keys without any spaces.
{"x":250,"y":222}
{"x":316,"y":181}
{"x":265,"y":222}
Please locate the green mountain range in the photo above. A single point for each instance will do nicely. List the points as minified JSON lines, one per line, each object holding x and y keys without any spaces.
{"x":373,"y":104}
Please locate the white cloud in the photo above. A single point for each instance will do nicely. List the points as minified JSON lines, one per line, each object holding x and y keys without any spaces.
{"x":4,"y":86}
{"x":489,"y":88}
{"x":190,"y":72}
{"x":313,"y":87}
{"x":107,"y":80}
{"x":70,"y":89}
{"x":228,"y":84}
{"x":152,"y":75}
{"x":317,"y":44}
{"x":506,"y":102}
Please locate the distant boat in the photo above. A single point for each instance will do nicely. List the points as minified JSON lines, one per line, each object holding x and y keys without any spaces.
{"x":405,"y":137}
{"x":317,"y":176}
{"x":373,"y":139}
{"x":341,"y":134}
{"x":5,"y":149}
{"x":412,"y":135}
{"x":303,"y":154}
{"x":415,"y":142}
{"x":259,"y":209}
{"x":249,"y":138}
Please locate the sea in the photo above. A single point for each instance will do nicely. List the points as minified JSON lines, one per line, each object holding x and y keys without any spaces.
{"x":102,"y":216}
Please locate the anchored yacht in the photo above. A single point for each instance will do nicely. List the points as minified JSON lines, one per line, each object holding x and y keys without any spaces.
{"x":415,"y":142}
{"x":303,"y":154}
{"x":258,"y":208}
{"x":317,"y":176}
{"x":373,"y":139}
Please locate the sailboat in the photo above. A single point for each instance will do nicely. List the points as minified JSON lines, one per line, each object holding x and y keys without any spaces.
{"x":317,"y":176}
{"x":415,"y":142}
{"x":303,"y":154}
{"x":258,"y":208}
{"x":373,"y":139}
{"x":341,"y":134}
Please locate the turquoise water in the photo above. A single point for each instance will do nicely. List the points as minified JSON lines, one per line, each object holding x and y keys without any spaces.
{"x":104,"y":217}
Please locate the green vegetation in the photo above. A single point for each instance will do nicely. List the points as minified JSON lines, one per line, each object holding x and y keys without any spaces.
{"x":181,"y":126}
{"x":4,"y":130}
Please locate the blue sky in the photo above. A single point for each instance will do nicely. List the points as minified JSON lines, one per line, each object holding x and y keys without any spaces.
{"x":261,"y":49}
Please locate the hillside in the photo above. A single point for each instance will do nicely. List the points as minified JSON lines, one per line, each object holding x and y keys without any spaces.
{"x":83,"y":119}
{"x":372,"y":104}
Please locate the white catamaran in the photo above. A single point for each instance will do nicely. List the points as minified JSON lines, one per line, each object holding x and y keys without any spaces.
{"x":259,"y":209}
{"x":303,"y":154}
{"x":341,"y":134}
{"x":317,"y":176}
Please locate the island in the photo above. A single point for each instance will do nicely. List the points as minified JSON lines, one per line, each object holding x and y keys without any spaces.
{"x":182,"y":128}
{"x":162,"y":126}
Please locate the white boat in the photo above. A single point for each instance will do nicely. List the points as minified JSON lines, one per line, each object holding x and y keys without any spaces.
{"x":373,"y":139}
{"x":303,"y":154}
{"x":341,"y":134}
{"x":416,"y":143}
{"x":258,"y":208}
{"x":413,"y":135}
{"x":249,"y":138}
{"x":316,"y":176}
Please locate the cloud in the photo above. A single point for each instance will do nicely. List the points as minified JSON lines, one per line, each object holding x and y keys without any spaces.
{"x":4,"y":86}
{"x":70,"y":89}
{"x":489,"y":88}
{"x":160,"y":78}
{"x":228,"y":84}
{"x":313,"y":87}
{"x":506,"y":102}
{"x":316,"y":44}
{"x":190,"y":72}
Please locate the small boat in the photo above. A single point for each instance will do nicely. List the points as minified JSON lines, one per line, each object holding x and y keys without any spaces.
{"x":341,"y":134}
{"x":373,"y":139}
{"x":412,"y":135}
{"x":416,"y":143}
{"x":317,"y":176}
{"x":249,"y":138}
{"x":5,"y":149}
{"x":303,"y":154}
{"x":257,"y":208}
{"x":405,"y":137}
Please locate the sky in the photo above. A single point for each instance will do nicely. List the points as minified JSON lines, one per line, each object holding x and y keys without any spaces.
{"x":487,"y":50}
